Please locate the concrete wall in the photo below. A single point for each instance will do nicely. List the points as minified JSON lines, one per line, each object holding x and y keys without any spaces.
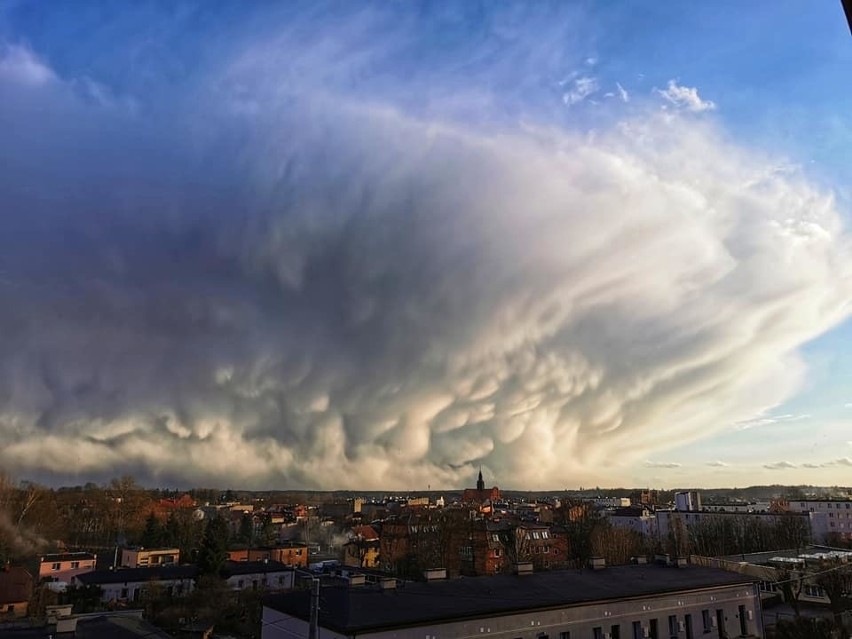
{"x":579,"y":621}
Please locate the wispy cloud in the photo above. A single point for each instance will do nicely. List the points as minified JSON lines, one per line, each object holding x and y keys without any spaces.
{"x":767,"y":420}
{"x":717,"y":464}
{"x":780,"y":465}
{"x":686,"y":98}
{"x":580,"y":89}
{"x":622,"y":92}
{"x":656,"y":464}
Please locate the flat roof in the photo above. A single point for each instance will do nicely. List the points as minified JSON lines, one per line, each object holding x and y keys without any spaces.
{"x":348,"y":609}
{"x":67,"y":556}
{"x":122,"y":575}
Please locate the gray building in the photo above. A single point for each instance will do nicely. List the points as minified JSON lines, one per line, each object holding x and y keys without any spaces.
{"x":622,"y":602}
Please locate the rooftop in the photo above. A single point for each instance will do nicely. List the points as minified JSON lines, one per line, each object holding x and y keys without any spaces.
{"x":232,"y":568}
{"x":68,"y":556}
{"x":360,"y":608}
{"x":123,"y":575}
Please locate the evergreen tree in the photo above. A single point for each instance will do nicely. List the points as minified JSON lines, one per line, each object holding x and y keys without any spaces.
{"x":214,"y":545}
{"x":152,"y":534}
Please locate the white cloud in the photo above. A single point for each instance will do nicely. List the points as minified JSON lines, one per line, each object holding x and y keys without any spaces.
{"x":622,"y":93}
{"x":685,"y":98}
{"x":581,"y":88}
{"x":769,"y":420}
{"x":717,"y":464}
{"x":390,"y":301}
{"x":781,"y":465}
{"x":19,"y":65}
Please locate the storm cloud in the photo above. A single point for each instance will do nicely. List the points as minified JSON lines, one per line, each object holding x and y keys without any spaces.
{"x":271,"y":284}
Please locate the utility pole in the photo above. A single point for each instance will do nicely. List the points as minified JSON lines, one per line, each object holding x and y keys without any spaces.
{"x":313,"y":632}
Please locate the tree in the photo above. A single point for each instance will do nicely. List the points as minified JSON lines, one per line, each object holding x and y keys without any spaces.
{"x":153,"y":534}
{"x":213,"y":551}
{"x":804,"y":628}
{"x":836,"y":579}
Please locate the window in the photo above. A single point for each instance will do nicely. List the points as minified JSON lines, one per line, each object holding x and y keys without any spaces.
{"x":637,"y":630}
{"x":565,"y":634}
{"x":615,"y":631}
{"x":75,"y":564}
{"x":597,"y":632}
{"x":705,"y":617}
{"x":55,"y":566}
{"x":655,"y":631}
{"x":673,"y":626}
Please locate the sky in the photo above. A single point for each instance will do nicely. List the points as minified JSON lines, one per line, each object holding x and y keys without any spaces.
{"x":381,"y":245}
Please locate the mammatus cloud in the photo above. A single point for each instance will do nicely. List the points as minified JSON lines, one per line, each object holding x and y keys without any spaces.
{"x":283,"y":285}
{"x":653,"y":464}
{"x":686,"y":98}
{"x":781,"y":465}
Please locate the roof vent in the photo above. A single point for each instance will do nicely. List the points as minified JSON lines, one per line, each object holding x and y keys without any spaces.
{"x":597,"y":563}
{"x":524,"y":568}
{"x":387,"y":583}
{"x":640,"y":560}
{"x":357,"y":580}
{"x":680,"y":562}
{"x":434,"y":574}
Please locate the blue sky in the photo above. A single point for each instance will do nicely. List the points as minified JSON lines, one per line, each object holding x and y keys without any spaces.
{"x":379,"y":244}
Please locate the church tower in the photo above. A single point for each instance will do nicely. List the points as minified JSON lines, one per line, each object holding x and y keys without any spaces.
{"x":480,"y":484}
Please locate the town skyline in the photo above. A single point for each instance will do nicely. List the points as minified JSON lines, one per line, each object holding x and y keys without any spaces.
{"x":370,"y":247}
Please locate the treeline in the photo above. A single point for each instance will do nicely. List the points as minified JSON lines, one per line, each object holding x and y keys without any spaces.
{"x":36,"y":519}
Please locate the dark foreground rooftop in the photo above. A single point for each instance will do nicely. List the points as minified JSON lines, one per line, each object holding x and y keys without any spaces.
{"x":348,"y":609}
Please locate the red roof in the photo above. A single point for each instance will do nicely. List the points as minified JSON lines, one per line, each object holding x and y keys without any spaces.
{"x":368,"y":533}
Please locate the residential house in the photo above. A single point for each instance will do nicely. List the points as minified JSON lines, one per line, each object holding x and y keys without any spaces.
{"x":258,"y":575}
{"x":636,"y":601}
{"x":636,"y":518}
{"x":16,"y":590}
{"x":142,"y":557}
{"x":362,"y":549}
{"x":64,"y":566}
{"x":134,"y":584}
{"x":289,"y":553}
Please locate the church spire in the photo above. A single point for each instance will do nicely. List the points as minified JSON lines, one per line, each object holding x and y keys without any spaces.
{"x":480,"y":484}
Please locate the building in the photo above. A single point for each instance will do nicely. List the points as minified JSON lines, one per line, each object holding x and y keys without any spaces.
{"x":480,"y":494}
{"x":291,"y":553}
{"x":362,"y":549}
{"x":16,"y":590}
{"x":258,"y":575}
{"x":637,"y":601}
{"x":635,"y":518}
{"x":688,"y":500}
{"x":831,"y":519}
{"x":64,"y":566}
{"x":134,"y":584}
{"x":143,"y":557}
